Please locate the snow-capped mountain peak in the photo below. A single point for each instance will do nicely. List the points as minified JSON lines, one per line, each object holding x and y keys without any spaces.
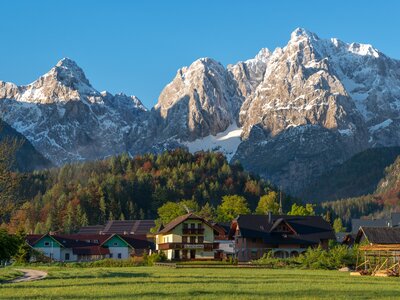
{"x":302,"y":33}
{"x":363,"y":49}
{"x":70,"y":74}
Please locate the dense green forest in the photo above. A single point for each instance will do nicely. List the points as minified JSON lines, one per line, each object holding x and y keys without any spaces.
{"x":125,"y":188}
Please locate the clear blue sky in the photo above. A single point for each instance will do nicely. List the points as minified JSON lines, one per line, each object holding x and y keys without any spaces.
{"x":137,"y":46}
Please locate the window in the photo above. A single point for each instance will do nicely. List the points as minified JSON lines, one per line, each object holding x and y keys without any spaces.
{"x":200,"y":225}
{"x":66,"y":256}
{"x":119,"y":255}
{"x":47,"y":243}
{"x":115,"y":244}
{"x":111,"y":255}
{"x":193,"y":226}
{"x":96,"y":241}
{"x":200,"y":239}
{"x":184,"y":239}
{"x":185,"y":226}
{"x":193,"y":239}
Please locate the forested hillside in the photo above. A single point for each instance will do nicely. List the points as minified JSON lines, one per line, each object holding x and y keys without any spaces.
{"x":122,"y":187}
{"x":22,"y":155}
{"x":355,"y":177}
{"x":384,"y":200}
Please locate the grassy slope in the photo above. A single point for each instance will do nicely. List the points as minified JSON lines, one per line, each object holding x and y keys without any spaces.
{"x":152,"y":282}
{"x":8,"y":274}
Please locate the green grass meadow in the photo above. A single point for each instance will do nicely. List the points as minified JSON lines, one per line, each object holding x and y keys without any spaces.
{"x":8,"y":274}
{"x":186,"y":283}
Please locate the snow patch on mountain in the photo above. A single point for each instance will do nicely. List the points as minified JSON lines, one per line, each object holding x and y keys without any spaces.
{"x":380,"y":126}
{"x":226,"y":142}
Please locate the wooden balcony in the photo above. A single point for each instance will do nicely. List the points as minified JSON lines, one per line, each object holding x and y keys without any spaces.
{"x":193,"y":230}
{"x":188,"y":246}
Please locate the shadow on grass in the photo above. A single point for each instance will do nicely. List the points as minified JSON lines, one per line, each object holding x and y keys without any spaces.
{"x":105,"y":274}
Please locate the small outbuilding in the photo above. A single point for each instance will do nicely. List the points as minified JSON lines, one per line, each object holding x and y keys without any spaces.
{"x":380,"y":251}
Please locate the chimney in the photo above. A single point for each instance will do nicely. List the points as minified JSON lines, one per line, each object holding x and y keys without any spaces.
{"x":269,"y":217}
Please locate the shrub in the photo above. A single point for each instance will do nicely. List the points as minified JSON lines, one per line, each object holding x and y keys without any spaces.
{"x":314,"y":258}
{"x":149,"y":260}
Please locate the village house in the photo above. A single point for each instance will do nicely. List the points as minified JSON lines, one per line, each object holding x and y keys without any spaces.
{"x":187,"y":237}
{"x":89,"y":247}
{"x":283,"y":235}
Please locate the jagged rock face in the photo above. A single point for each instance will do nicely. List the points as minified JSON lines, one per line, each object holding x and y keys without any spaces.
{"x":326,"y":84}
{"x":202,"y":99}
{"x":250,"y":73}
{"x":66,"y":119}
{"x":299,"y":88}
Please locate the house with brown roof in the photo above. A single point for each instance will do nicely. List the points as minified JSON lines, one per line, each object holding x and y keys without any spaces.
{"x":89,"y":247}
{"x":188,"y":237}
{"x":283,"y":235}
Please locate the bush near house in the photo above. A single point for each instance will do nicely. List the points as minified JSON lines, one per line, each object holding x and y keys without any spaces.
{"x":150,"y":260}
{"x":314,"y":258}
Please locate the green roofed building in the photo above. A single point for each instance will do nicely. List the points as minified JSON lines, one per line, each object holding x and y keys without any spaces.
{"x":78,"y":247}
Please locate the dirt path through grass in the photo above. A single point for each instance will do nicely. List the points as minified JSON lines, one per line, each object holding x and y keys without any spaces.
{"x":29,"y":275}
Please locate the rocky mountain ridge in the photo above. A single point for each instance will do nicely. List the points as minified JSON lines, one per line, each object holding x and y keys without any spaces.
{"x":289,"y":115}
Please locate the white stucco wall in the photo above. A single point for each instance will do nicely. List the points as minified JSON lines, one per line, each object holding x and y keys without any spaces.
{"x":72,"y":256}
{"x":124,"y":251}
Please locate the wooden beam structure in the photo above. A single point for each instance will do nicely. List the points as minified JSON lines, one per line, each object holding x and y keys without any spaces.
{"x":380,"y":260}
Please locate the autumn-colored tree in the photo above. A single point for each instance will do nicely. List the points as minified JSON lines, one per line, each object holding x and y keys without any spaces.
{"x":231,"y":207}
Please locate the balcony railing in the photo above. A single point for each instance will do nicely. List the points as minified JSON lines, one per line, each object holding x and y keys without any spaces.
{"x":193,"y":230}
{"x":188,"y":246}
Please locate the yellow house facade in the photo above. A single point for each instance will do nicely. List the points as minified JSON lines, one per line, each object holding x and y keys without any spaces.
{"x":188,"y":237}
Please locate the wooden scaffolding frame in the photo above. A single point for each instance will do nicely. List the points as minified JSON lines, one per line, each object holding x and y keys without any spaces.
{"x":379,"y":260}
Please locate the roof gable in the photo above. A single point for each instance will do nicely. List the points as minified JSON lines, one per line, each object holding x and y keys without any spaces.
{"x":40,"y":242}
{"x":278,"y":224}
{"x":115,"y":239}
{"x":379,"y":235}
{"x":190,"y":216}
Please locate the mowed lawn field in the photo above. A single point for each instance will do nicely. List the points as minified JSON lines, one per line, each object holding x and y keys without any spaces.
{"x":207,"y":283}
